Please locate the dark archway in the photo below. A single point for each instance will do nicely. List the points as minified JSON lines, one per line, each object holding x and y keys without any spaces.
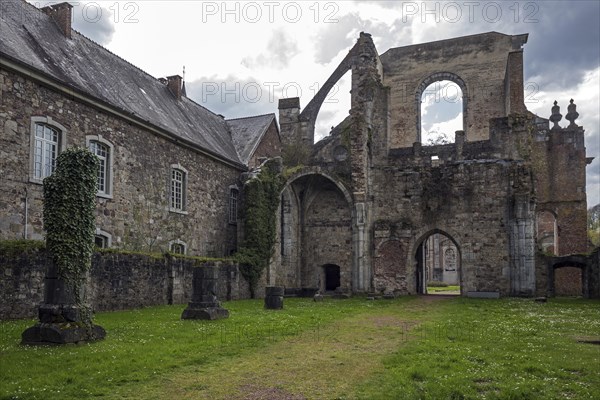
{"x":438,"y":264}
{"x":332,"y":277}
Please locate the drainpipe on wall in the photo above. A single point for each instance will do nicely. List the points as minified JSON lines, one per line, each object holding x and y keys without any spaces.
{"x":26,"y":213}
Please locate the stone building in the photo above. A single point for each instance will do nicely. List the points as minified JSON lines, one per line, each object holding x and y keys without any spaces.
{"x":505,"y":202}
{"x":360,"y":207}
{"x":170,"y":173}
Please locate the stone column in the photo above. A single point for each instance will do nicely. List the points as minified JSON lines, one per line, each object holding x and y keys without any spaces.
{"x":204,"y":304}
{"x":361,"y":279}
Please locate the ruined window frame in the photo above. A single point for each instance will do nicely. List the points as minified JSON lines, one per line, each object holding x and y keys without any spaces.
{"x":178,"y":181}
{"x":178,"y":247}
{"x":107,"y":168}
{"x":60,"y":146}
{"x":438,"y":77}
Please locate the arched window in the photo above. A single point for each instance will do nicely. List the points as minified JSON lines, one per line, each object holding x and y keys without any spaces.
{"x":48,"y":139}
{"x":441,"y":101}
{"x":177,"y":247}
{"x":103,"y":149}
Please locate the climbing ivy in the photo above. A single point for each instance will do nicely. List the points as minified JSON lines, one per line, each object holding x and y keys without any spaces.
{"x":69,"y":215}
{"x":261,"y":199}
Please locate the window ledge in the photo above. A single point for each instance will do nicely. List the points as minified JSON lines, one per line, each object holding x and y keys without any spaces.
{"x":182,"y":212}
{"x":104,"y":195}
{"x":36,"y":181}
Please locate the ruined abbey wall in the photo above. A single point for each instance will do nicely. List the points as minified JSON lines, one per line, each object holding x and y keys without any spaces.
{"x":484,"y":192}
{"x":478,"y":64}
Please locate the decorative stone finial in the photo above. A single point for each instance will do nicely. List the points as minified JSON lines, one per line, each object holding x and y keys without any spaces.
{"x":572,"y":114}
{"x":556,"y":115}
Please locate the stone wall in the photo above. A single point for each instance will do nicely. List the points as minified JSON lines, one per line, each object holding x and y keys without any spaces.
{"x":568,"y":281}
{"x":327,"y":238}
{"x":117,"y":282}
{"x":483,"y":191}
{"x":269,"y":146}
{"x":477,"y":63}
{"x":137,"y":216}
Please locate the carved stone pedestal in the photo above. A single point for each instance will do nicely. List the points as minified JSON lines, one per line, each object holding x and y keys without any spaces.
{"x":204,"y":304}
{"x":60,"y":320}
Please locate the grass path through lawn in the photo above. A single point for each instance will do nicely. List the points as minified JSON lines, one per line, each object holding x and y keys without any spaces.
{"x":323,"y":363}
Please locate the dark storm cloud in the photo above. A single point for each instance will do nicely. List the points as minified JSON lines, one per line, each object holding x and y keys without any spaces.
{"x":564,"y":38}
{"x":564,"y":44}
{"x":233,"y":97}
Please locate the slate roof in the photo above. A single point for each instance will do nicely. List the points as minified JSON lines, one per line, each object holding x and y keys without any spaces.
{"x":30,"y":37}
{"x":247,"y":133}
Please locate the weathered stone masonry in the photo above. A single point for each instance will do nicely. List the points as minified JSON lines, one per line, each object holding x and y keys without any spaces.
{"x":137,"y":216}
{"x":485,"y":192}
{"x":54,"y":76}
{"x":116,"y":282}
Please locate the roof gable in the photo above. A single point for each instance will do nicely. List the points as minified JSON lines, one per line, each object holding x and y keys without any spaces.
{"x":30,"y":37}
{"x":247,"y":133}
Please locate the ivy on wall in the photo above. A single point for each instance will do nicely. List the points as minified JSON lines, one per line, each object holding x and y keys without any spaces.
{"x":261,"y":199}
{"x":69,"y":215}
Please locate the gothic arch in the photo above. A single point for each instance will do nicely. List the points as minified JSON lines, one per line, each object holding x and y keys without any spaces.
{"x":317,"y":171}
{"x":315,"y":229}
{"x":417,"y":247}
{"x":547,"y":231}
{"x":436,"y":77}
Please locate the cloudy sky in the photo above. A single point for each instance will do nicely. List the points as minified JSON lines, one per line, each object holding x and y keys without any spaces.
{"x":241,"y":57}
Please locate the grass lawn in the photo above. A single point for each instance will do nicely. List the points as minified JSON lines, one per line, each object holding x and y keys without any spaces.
{"x":443,"y":289}
{"x":409,"y":348}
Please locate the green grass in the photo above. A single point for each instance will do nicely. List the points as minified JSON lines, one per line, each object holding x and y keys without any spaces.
{"x":408,"y":348}
{"x":442,"y":289}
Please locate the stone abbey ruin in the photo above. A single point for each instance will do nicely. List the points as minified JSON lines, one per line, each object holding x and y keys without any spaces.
{"x":501,"y":211}
{"x":508,"y":196}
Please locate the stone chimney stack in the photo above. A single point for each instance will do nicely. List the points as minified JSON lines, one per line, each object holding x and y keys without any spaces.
{"x":175,"y":84}
{"x":289,"y":110}
{"x":61,"y":14}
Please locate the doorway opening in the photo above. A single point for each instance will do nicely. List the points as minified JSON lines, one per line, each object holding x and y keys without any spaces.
{"x":332,"y":277}
{"x":438,"y":265}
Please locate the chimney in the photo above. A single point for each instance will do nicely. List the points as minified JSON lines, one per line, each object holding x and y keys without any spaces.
{"x":174,"y":85}
{"x":61,"y":14}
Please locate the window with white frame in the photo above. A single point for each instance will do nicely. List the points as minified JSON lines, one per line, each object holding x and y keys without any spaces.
{"x":103,"y":150}
{"x":46,"y":150}
{"x":177,"y":200}
{"x":47,"y":141}
{"x":233,"y":205}
{"x":102,"y":240}
{"x":177,"y":247}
